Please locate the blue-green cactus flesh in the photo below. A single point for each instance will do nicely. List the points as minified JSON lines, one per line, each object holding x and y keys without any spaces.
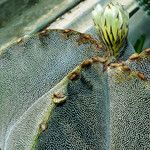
{"x":61,"y":89}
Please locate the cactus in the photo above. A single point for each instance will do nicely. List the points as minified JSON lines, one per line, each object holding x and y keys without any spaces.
{"x":62,"y":89}
{"x":129,"y":104}
{"x":32,"y":60}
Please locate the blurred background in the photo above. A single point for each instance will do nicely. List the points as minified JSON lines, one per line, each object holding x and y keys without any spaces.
{"x":20,"y":18}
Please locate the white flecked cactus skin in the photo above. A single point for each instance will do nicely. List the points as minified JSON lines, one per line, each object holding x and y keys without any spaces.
{"x":60,"y":91}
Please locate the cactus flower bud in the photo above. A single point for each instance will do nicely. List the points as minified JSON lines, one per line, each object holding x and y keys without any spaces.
{"x":111,"y":24}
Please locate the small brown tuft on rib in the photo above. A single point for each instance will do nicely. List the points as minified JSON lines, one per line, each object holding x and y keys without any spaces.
{"x":141,"y":76}
{"x":125,"y":68}
{"x":147,"y":51}
{"x":99,"y":59}
{"x":114,"y":65}
{"x":95,"y":59}
{"x":86,"y":36}
{"x":67,"y":30}
{"x":43,"y":126}
{"x":73,"y":75}
{"x":134,"y":57}
{"x":44,"y":32}
{"x":20,"y":40}
{"x":105,"y":66}
{"x":59,"y":95}
{"x":86,"y":63}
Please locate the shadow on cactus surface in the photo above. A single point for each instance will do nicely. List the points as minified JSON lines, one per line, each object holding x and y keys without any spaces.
{"x":61,"y":89}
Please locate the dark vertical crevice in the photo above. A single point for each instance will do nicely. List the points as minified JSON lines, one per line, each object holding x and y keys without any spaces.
{"x":133,"y":12}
